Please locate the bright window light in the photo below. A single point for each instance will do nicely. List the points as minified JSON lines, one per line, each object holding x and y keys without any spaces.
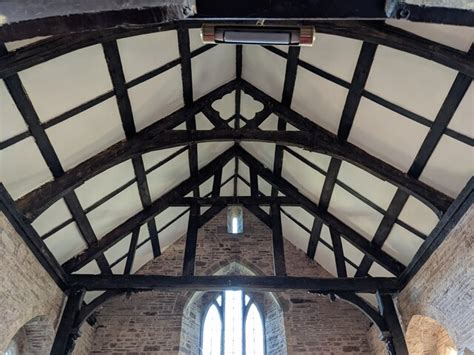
{"x":235,"y":223}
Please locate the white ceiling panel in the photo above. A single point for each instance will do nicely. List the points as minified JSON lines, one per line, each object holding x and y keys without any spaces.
{"x":307,"y":180}
{"x":91,"y":268}
{"x":118,"y":268}
{"x":294,"y":233}
{"x":264,"y":187}
{"x":351,"y":252}
{"x":458,"y":37}
{"x":22,"y":168}
{"x":450,"y":167}
{"x":152,"y":158}
{"x":156,"y":98}
{"x":115,"y":211}
{"x":300,"y":215}
{"x":376,"y":190}
{"x":326,"y":235}
{"x":355,"y":213}
{"x":244,"y":170}
{"x":14,"y":45}
{"x":378,"y":271}
{"x":318,"y":99}
{"x":52,"y":217}
{"x":270,"y":124}
{"x":167,"y":216}
{"x":255,"y":69}
{"x":174,"y":231}
{"x":462,"y":120}
{"x":86,"y":134}
{"x":264,"y":152}
{"x":325,"y":257}
{"x":228,"y":170}
{"x":206,"y":187}
{"x":118,"y":250}
{"x":168,"y":175}
{"x":92,"y":295}
{"x":333,"y":54}
{"x":225,"y":106}
{"x":66,"y":243}
{"x":195,"y":40}
{"x":320,"y":160}
{"x":104,"y":183}
{"x":418,"y":215}
{"x":351,"y":271}
{"x":212,"y":69}
{"x":210,"y":150}
{"x":248,"y":106}
{"x":386,"y":134}
{"x":11,"y":121}
{"x":417,"y":84}
{"x":228,"y":189}
{"x":242,"y":188}
{"x":143,"y":255}
{"x":401,"y":244}
{"x":203,"y":123}
{"x":67,"y":81}
{"x":141,"y":54}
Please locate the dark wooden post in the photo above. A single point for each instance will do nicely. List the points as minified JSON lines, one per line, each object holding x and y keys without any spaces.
{"x":278,"y":250}
{"x":67,"y":333}
{"x":396,"y":344}
{"x":191,"y":241}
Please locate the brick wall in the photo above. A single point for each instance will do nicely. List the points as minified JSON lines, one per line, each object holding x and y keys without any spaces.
{"x":151,"y":322}
{"x":26,"y":292}
{"x":443,"y":289}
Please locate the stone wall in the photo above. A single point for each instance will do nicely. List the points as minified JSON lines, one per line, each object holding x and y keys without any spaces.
{"x":150,"y":322}
{"x":26,"y":292}
{"x":443,"y":289}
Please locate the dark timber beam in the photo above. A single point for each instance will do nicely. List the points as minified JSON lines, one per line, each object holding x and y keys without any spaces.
{"x":329,"y":144}
{"x":191,"y":241}
{"x":131,"y":251}
{"x":396,"y":340}
{"x":67,"y":332}
{"x":148,"y":213}
{"x":277,"y":241}
{"x":345,"y":231}
{"x":35,"y":202}
{"x":264,"y":283}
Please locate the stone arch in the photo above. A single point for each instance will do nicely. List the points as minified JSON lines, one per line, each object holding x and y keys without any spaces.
{"x":34,"y":338}
{"x":272,"y":307}
{"x":425,"y":335}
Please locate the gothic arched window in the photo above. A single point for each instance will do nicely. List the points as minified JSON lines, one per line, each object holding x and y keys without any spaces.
{"x":233,"y":325}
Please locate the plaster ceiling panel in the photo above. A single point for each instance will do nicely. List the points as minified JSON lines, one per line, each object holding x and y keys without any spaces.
{"x":270,"y":124}
{"x":307,"y":180}
{"x":257,"y":71}
{"x":242,"y":188}
{"x":462,"y":120}
{"x":118,"y":250}
{"x":450,"y":166}
{"x":378,"y":271}
{"x":52,"y":217}
{"x":11,"y":121}
{"x":91,"y":268}
{"x":320,"y":160}
{"x":212,"y":69}
{"x":228,"y":188}
{"x":264,"y":187}
{"x":401,"y":244}
{"x":228,"y":170}
{"x":22,"y":168}
{"x":334,"y":54}
{"x":66,"y":243}
{"x":143,"y":235}
{"x":168,"y":176}
{"x":105,"y":183}
{"x":92,"y":295}
{"x":266,"y":209}
{"x":210,"y":150}
{"x":143,"y":255}
{"x":351,"y":271}
{"x":115,"y":211}
{"x":225,"y":106}
{"x":300,"y":215}
{"x":351,"y":252}
{"x":418,"y":215}
{"x":318,"y":99}
{"x":14,"y":45}
{"x":326,"y":236}
{"x":355,"y":213}
{"x":249,"y":107}
{"x":376,"y":190}
{"x":65,"y":82}
{"x":369,"y":297}
{"x":294,"y":233}
{"x":325,"y":257}
{"x":174,"y":231}
{"x":204,"y":209}
{"x":195,"y":40}
{"x":203,"y":123}
{"x":86,"y":134}
{"x":206,"y":187}
{"x":118,"y":268}
{"x":166,"y":218}
{"x":458,"y":37}
{"x":181,"y":126}
{"x":151,"y":159}
{"x":417,"y":84}
{"x":386,"y":134}
{"x":282,"y":48}
{"x":263,"y":152}
{"x":156,"y":98}
{"x":244,"y":171}
{"x":144,"y":53}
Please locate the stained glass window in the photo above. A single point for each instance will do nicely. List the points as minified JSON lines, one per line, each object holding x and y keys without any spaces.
{"x":233,"y":325}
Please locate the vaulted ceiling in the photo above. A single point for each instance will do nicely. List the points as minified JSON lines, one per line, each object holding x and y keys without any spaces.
{"x":362,"y":145}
